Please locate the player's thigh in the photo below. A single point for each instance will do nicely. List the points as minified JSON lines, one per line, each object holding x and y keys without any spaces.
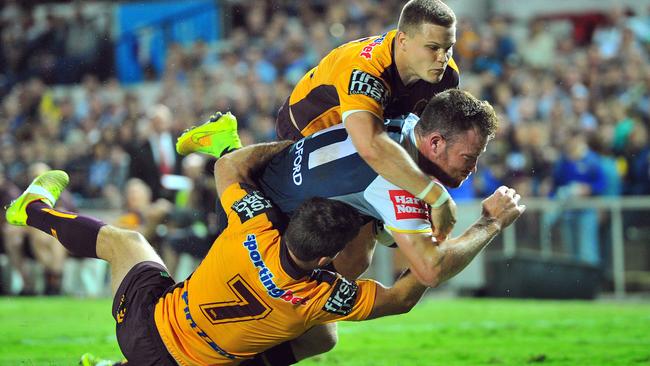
{"x":123,"y":249}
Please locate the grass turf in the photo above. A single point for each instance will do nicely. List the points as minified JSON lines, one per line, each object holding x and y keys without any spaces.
{"x":56,"y":331}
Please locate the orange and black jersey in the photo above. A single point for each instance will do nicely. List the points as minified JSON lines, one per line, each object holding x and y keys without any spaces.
{"x":248,"y":294}
{"x":359,"y":75}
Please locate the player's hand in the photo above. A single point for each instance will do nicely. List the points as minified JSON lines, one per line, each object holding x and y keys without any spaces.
{"x":443,"y":219}
{"x":503,"y":206}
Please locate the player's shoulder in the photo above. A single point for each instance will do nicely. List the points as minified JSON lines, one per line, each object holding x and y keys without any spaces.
{"x":249,"y":203}
{"x":370,"y":54}
{"x":451,"y":77}
{"x":341,"y":293}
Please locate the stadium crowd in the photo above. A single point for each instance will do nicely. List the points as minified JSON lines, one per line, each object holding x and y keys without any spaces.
{"x":569,"y":102}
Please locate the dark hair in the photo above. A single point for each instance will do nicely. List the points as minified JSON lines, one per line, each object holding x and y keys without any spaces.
{"x":418,"y":12}
{"x":321,"y":227}
{"x":454,"y":111}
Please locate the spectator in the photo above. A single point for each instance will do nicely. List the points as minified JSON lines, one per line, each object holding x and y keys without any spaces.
{"x":576,"y":174}
{"x":538,"y":50}
{"x":157,"y":156}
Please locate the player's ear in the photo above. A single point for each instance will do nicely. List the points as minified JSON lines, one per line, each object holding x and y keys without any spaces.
{"x":400,"y":39}
{"x":324,"y":261}
{"x":436,"y":142}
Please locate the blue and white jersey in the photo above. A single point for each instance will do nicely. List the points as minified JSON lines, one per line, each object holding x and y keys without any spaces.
{"x":326,"y":164}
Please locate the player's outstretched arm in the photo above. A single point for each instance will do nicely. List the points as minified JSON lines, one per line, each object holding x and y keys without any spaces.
{"x":399,"y":299}
{"x":433,"y":263}
{"x":391,"y":161}
{"x":241,"y":165}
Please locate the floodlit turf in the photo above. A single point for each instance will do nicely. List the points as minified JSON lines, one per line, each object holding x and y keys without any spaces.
{"x":56,"y":331}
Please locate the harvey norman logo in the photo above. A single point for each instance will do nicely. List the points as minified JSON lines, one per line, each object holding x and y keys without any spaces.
{"x":407,"y":206}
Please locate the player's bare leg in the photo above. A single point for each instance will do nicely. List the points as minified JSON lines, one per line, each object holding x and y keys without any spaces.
{"x":123,"y":249}
{"x":317,"y":340}
{"x":80,"y":234}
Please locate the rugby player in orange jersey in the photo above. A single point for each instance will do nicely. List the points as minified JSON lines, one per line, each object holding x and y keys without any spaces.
{"x":258,"y":297}
{"x":364,"y":82}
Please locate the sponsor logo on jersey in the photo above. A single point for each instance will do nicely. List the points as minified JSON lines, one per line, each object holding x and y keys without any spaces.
{"x":266,"y":276}
{"x":407,"y":206}
{"x":343,"y":297}
{"x":365,"y":84}
{"x":297,"y":163}
{"x":366,"y":52}
{"x":251,"y":205}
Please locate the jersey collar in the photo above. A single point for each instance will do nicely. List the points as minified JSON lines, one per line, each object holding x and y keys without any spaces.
{"x":289,"y":265}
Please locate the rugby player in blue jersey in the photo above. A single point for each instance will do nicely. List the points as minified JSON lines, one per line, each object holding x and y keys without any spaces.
{"x":446,"y":142}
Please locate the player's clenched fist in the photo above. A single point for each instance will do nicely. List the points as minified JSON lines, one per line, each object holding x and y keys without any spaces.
{"x":503,"y":206}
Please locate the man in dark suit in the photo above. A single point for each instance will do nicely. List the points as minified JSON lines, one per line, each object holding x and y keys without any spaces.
{"x":157,"y":156}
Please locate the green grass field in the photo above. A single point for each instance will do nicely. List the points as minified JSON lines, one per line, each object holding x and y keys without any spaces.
{"x":56,"y":331}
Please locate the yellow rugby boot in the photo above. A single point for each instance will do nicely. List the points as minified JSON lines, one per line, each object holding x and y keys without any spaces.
{"x":215,"y":137}
{"x":47,"y":187}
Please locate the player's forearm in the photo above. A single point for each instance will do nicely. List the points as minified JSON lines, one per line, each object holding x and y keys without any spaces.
{"x":392,"y":162}
{"x":456,"y":253}
{"x":399,"y":299}
{"x":243,"y":164}
{"x":387,"y":157}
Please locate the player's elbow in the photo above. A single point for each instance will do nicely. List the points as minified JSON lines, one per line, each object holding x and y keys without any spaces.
{"x":405,"y":305}
{"x":220,"y":165}
{"x":369,"y":151}
{"x":428,"y":273}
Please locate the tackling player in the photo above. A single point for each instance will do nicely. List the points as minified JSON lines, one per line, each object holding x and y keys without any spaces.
{"x":446,"y":141}
{"x":258,"y":294}
{"x":363,"y":82}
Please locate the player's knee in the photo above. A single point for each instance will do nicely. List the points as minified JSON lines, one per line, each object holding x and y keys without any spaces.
{"x":328,"y":342}
{"x":118,"y":241}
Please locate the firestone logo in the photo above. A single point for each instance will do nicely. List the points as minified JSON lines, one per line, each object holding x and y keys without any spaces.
{"x":407,"y":206}
{"x":366,"y":52}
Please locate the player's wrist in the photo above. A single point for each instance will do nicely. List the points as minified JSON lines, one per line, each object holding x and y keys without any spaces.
{"x":492,"y":224}
{"x":434,"y":194}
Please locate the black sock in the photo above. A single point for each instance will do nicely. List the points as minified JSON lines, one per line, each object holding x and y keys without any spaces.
{"x":77,"y":233}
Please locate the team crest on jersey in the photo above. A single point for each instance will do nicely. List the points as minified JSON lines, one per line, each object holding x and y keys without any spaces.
{"x":371,"y":86}
{"x":407,"y":206}
{"x":251,"y":205}
{"x":343,"y":297}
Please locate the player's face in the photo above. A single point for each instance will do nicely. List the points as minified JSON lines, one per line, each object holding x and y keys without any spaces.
{"x":451,"y":162}
{"x":429,"y":51}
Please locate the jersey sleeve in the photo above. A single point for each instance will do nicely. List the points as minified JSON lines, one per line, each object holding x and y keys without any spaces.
{"x":399,"y":209}
{"x":245,"y":204}
{"x":361,"y":90}
{"x":346,"y":300}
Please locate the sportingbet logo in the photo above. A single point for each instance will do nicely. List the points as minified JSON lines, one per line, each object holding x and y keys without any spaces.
{"x":297,"y":163}
{"x":266,"y":276}
{"x":407,"y":206}
{"x":366,"y":52}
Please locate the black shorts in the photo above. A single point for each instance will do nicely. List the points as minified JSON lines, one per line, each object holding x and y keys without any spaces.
{"x":284,"y":128}
{"x":133,"y":310}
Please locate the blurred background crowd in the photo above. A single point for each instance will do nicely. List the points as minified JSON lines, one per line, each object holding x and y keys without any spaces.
{"x":572,"y":93}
